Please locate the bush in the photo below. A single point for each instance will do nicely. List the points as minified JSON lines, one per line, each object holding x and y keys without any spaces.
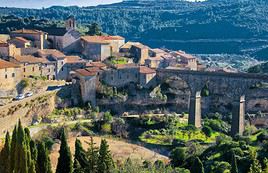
{"x":207,"y":130}
{"x":106,"y":128}
{"x":177,"y":156}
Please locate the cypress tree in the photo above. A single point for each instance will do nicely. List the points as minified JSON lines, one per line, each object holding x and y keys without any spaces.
{"x":80,"y":155}
{"x":65,"y":158}
{"x":21,"y":159}
{"x":105,"y":161}
{"x":77,"y":167}
{"x":197,"y":166}
{"x":92,"y":155}
{"x":43,"y":161}
{"x":5,"y":156}
{"x":13,"y":149}
{"x":234,"y":168}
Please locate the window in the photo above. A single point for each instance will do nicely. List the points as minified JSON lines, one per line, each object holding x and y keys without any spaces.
{"x":24,"y":70}
{"x":13,"y":74}
{"x":6,"y":76}
{"x":49,"y":70}
{"x":33,"y":69}
{"x":62,"y":69}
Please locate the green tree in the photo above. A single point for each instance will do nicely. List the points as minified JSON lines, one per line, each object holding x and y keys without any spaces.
{"x":5,"y":155}
{"x":92,"y":156}
{"x":43,"y":160}
{"x":197,"y":166}
{"x":13,"y":149}
{"x":177,"y":156}
{"x":234,"y":168}
{"x":77,"y":167}
{"x":105,"y":161}
{"x":80,"y":156}
{"x":65,"y":159}
{"x":255,"y":167}
{"x":94,"y":29}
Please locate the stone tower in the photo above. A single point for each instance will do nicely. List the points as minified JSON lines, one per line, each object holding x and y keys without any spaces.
{"x":70,"y":23}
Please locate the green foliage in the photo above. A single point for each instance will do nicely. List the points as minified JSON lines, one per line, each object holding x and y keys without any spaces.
{"x":43,"y":160}
{"x":92,"y":156}
{"x":65,"y":159}
{"x":5,"y":155}
{"x":234,"y":168}
{"x":178,"y":156}
{"x":207,"y":130}
{"x":94,"y":29}
{"x":205,"y":91}
{"x":197,"y":166}
{"x":80,"y":157}
{"x":105,"y":161}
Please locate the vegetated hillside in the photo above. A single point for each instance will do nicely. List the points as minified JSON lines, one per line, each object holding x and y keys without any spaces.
{"x":213,"y":26}
{"x":261,"y":68}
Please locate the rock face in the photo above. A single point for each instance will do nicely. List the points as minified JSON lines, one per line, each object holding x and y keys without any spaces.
{"x":39,"y":105}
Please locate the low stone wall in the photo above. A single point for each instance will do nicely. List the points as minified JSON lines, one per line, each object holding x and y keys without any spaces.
{"x":39,"y":105}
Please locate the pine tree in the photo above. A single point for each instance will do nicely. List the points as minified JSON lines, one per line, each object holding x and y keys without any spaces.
{"x":105,"y":161}
{"x":234,"y":168}
{"x":5,"y":156}
{"x":92,"y":156}
{"x":197,"y":166}
{"x":80,"y":155}
{"x":43,"y":161}
{"x":65,"y":158}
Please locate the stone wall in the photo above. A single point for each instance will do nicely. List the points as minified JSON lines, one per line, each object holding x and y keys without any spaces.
{"x":40,"y":106}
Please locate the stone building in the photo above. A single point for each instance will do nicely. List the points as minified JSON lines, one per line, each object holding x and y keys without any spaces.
{"x":65,"y":39}
{"x":122,"y":75}
{"x":73,"y":63}
{"x":38,"y":38}
{"x":7,"y":50}
{"x":98,"y":48}
{"x":87,"y":80}
{"x":186,"y":60}
{"x":20,"y":42}
{"x":139,"y":51}
{"x":10,"y":75}
{"x":31,"y":66}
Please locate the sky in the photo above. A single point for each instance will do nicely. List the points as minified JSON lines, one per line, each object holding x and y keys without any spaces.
{"x":48,"y":3}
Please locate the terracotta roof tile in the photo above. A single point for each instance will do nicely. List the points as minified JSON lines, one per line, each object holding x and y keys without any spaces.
{"x":30,"y":59}
{"x":146,"y":70}
{"x":123,"y":66}
{"x":5,"y":64}
{"x":51,"y":52}
{"x":74,"y":59}
{"x":101,"y":39}
{"x":21,"y":39}
{"x":96,"y":64}
{"x":85,"y":72}
{"x":27,"y":31}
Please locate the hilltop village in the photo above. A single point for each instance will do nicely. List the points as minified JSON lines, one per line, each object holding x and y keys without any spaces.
{"x":65,"y":54}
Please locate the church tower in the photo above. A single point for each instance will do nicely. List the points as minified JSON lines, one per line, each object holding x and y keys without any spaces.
{"x":70,"y":23}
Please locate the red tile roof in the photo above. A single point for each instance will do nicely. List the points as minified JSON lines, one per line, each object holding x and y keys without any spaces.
{"x":96,"y":64}
{"x":51,"y":52}
{"x":85,"y":72}
{"x":5,"y":64}
{"x":74,"y":59}
{"x":21,"y":39}
{"x":27,"y":31}
{"x":101,"y":39}
{"x":123,"y":66}
{"x":185,"y":55}
{"x":30,"y":59}
{"x":146,"y":70}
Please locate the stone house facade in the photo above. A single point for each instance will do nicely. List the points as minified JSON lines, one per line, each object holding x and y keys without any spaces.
{"x":122,"y":75}
{"x":10,"y":75}
{"x":7,"y":50}
{"x":37,"y":37}
{"x":20,"y":42}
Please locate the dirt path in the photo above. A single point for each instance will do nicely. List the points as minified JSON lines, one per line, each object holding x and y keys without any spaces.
{"x":120,"y":150}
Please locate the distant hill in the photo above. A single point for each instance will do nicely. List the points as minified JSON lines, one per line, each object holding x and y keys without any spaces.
{"x":213,"y":26}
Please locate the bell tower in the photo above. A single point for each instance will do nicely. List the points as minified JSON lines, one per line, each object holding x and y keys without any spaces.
{"x":70,"y":23}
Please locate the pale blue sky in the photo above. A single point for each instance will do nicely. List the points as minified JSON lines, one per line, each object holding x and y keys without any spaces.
{"x":48,"y":3}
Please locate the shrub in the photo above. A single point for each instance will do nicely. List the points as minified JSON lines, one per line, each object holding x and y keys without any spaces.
{"x":106,"y":128}
{"x":207,"y":130}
